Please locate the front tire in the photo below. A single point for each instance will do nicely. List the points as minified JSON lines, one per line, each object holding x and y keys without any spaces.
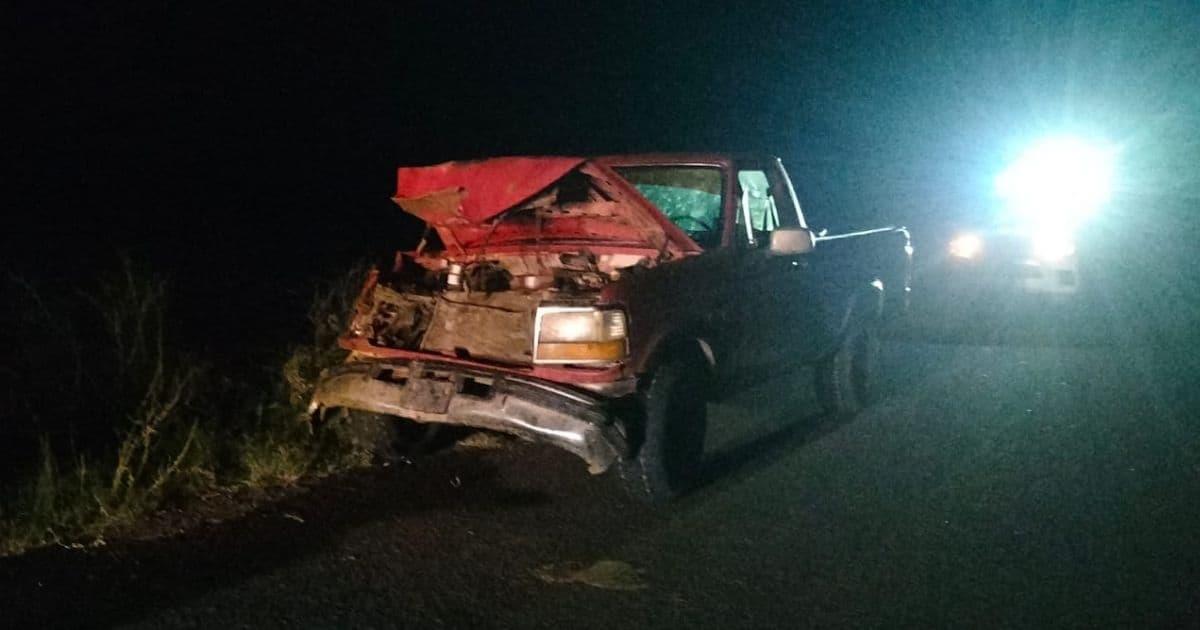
{"x":844,"y":381}
{"x":673,"y":410}
{"x":390,"y":439}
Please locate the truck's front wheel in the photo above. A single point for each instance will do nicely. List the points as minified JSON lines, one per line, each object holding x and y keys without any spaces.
{"x":388,"y":439}
{"x":844,"y":380}
{"x":673,"y":410}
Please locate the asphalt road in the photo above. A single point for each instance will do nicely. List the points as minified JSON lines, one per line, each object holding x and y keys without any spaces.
{"x":1001,"y":485}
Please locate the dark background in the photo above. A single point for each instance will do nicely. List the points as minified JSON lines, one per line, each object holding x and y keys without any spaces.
{"x":245,"y":148}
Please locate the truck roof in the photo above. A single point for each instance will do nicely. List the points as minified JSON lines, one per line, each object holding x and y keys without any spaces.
{"x":717,"y":159}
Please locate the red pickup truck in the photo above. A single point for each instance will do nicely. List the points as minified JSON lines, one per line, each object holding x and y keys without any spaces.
{"x":595,"y":304}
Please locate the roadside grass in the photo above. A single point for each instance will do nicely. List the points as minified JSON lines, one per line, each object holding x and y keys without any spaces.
{"x":180,"y":430}
{"x":278,"y":447}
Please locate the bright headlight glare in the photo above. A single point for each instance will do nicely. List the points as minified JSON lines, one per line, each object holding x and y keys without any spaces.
{"x":1062,"y":176}
{"x":966,"y":246}
{"x":1052,"y":246}
{"x":579,"y":335}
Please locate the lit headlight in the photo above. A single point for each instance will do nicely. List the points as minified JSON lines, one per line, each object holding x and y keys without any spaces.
{"x":966,"y":246}
{"x":1052,"y":245}
{"x":572,"y":334}
{"x":1062,"y":177}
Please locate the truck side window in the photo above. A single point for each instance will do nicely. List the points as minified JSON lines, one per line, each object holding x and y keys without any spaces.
{"x":765,"y":204}
{"x":758,"y":214}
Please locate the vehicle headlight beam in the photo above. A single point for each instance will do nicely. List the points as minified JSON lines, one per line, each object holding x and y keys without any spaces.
{"x":966,"y":246}
{"x":1059,"y":180}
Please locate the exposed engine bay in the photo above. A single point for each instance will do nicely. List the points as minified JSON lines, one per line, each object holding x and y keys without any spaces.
{"x":513,"y":264}
{"x":479,"y":307}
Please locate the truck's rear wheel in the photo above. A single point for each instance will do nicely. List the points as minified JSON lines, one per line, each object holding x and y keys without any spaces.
{"x":844,"y":380}
{"x":673,"y":421}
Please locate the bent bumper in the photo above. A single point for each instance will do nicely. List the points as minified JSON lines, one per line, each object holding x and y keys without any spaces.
{"x":433,"y":392}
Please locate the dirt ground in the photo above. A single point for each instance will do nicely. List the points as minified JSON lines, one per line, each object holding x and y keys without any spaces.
{"x":992,"y":485}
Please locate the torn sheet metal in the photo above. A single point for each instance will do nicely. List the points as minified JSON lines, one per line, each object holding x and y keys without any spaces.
{"x":536,"y":204}
{"x":475,"y":191}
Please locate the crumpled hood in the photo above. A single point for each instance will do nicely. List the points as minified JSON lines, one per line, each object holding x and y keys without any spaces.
{"x":475,"y":191}
{"x":466,"y":202}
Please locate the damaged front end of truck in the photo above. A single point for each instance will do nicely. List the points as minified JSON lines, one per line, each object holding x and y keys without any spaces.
{"x":507,"y":316}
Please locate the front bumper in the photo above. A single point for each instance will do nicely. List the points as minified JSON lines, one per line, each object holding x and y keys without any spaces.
{"x":433,"y":392}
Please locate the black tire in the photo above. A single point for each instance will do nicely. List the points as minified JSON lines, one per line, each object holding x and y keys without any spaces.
{"x":391,"y":439}
{"x":672,"y":417}
{"x":844,"y":380}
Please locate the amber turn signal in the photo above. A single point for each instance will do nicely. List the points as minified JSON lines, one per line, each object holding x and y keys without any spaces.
{"x":582,"y":352}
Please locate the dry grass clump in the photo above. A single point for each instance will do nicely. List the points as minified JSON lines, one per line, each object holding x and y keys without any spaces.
{"x":177,"y":432}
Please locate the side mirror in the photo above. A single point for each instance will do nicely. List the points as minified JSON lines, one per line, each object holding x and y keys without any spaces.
{"x":791,"y":241}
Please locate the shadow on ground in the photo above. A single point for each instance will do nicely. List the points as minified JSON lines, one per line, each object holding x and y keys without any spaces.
{"x":732,"y":463}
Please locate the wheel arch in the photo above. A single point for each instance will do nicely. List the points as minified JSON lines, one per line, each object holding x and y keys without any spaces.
{"x":686,"y":341}
{"x":863,"y":306}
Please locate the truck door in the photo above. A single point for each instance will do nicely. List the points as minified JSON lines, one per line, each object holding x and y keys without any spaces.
{"x":781,"y":315}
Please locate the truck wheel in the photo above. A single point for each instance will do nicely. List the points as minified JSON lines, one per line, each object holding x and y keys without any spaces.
{"x":390,"y":439}
{"x":674,"y":421}
{"x":844,"y":380}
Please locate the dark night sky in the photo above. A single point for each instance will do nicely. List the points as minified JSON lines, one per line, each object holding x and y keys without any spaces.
{"x":227,"y":136}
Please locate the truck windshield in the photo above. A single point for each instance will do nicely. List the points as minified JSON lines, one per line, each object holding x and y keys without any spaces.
{"x":690,"y":196}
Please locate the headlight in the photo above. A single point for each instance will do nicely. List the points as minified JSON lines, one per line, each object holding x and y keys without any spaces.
{"x":573,"y":334}
{"x":1062,"y":179}
{"x":1051,"y":245}
{"x":966,"y":246}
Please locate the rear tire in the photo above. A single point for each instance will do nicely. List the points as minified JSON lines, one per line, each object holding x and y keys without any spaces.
{"x":673,"y":421}
{"x":844,"y":381}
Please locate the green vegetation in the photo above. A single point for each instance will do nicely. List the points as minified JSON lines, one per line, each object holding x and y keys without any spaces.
{"x":181,"y":430}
